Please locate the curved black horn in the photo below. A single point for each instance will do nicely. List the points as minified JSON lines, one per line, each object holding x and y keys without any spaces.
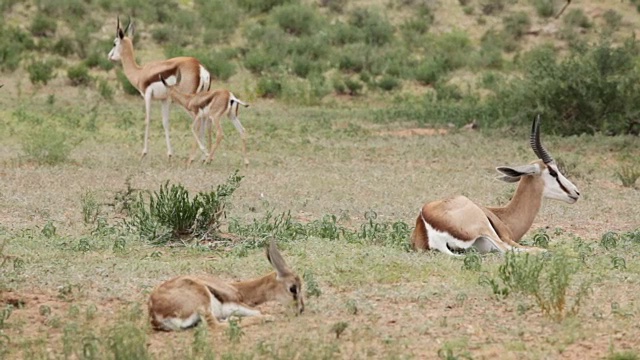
{"x":536,"y":145}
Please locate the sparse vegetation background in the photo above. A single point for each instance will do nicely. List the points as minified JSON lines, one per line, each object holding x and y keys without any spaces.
{"x":356,"y":118}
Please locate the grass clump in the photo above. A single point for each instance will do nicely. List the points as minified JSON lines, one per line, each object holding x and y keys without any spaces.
{"x":170,"y":214}
{"x":547,"y":279}
{"x":79,"y":75}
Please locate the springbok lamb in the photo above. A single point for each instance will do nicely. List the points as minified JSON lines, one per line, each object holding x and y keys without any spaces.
{"x":458,"y":223}
{"x":195,"y":78}
{"x":212,"y":104}
{"x":182,"y":302}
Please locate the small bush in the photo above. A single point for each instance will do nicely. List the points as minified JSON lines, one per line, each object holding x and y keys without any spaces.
{"x":353,"y":85}
{"x":64,"y":46}
{"x":105,"y":90}
{"x":41,"y":71}
{"x":336,"y":6}
{"x":296,"y":19}
{"x":46,"y":146}
{"x":79,"y":75}
{"x":262,"y":6}
{"x":269,"y":87}
{"x":430,"y":71}
{"x":161,"y":35}
{"x":576,"y":17}
{"x":612,"y":19}
{"x":43,"y":26}
{"x":492,"y":7}
{"x":376,"y":30}
{"x":517,"y":24}
{"x":544,"y":8}
{"x":388,"y":83}
{"x":171,"y":214}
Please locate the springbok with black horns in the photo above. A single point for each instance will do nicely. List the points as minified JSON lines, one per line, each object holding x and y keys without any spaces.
{"x":458,"y":223}
{"x":182,"y":302}
{"x":212,"y":104}
{"x":195,"y":78}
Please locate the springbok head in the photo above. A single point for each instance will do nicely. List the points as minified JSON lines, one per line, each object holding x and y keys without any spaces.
{"x":115,"y":53}
{"x":289,"y":286}
{"x":556,"y":185}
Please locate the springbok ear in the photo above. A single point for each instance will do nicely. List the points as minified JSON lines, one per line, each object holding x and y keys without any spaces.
{"x":518,"y":171}
{"x":276,"y":259}
{"x":509,"y":179}
{"x":120,"y":34}
{"x":132,"y":29}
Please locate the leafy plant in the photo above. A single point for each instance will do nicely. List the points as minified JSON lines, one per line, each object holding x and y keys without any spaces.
{"x":234,"y":331}
{"x":171,"y":214}
{"x":313,"y":289}
{"x":79,"y":75}
{"x":46,"y":145}
{"x":41,"y":71}
{"x":628,"y":175}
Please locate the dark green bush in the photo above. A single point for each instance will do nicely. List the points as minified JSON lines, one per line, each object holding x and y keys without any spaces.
{"x":263,"y":6}
{"x":64,"y":46}
{"x":492,"y":7}
{"x":41,"y":71}
{"x":13,"y":42}
{"x":342,"y":34}
{"x":544,"y":8}
{"x":612,"y":19}
{"x":220,"y":18}
{"x":430,"y":70}
{"x":576,"y":17}
{"x":79,"y":75}
{"x":375,"y":29}
{"x":516,"y":24}
{"x":296,"y":19}
{"x":388,"y":83}
{"x":43,"y":26}
{"x":269,"y":86}
{"x":170,"y":214}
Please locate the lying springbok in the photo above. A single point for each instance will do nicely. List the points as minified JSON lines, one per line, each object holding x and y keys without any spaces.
{"x":458,"y":223}
{"x":180,"y":303}
{"x":195,"y":78}
{"x":212,"y":104}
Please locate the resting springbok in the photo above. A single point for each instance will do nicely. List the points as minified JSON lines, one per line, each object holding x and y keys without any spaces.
{"x":458,"y":223}
{"x":182,"y":302}
{"x":212,"y":104}
{"x":195,"y":78}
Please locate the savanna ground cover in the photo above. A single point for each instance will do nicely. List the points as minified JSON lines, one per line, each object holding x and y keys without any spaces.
{"x":338,"y":172}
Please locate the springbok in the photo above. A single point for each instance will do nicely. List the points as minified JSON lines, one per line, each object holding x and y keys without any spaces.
{"x":458,"y":223}
{"x":212,"y":104}
{"x":182,"y":302}
{"x":195,"y":78}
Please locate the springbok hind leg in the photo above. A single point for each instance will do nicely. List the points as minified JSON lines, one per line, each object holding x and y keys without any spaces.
{"x":219,"y":136}
{"x":243,"y":136}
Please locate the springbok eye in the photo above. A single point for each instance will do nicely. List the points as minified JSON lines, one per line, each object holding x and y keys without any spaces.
{"x":293,"y":289}
{"x":553,"y":172}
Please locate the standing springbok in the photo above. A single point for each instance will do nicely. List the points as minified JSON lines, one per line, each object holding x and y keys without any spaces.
{"x":180,"y":303}
{"x":458,"y":223}
{"x":212,"y":104}
{"x":195,"y":78}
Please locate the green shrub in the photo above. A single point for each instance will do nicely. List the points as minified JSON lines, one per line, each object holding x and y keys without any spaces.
{"x":376,"y":30}
{"x":126,"y":84}
{"x":262,"y":6}
{"x":171,"y":214}
{"x":516,"y":24}
{"x":99,"y":60}
{"x":430,"y":71}
{"x":64,"y":46}
{"x":576,"y":17}
{"x":628,"y":175}
{"x":612,"y":19}
{"x":79,"y":75}
{"x":260,"y":61}
{"x":161,"y":34}
{"x":388,"y":83}
{"x":41,"y":71}
{"x":544,"y":8}
{"x":492,"y":7}
{"x":46,"y":145}
{"x":353,"y":85}
{"x":296,"y":19}
{"x":43,"y":26}
{"x":220,"y":18}
{"x":218,"y":63}
{"x":336,"y":6}
{"x":13,"y":42}
{"x":269,"y":86}
{"x":342,"y":34}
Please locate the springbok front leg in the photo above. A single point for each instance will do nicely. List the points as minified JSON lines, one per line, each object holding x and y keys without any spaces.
{"x":165,"y":125}
{"x":147,"y":118}
{"x":198,"y":129}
